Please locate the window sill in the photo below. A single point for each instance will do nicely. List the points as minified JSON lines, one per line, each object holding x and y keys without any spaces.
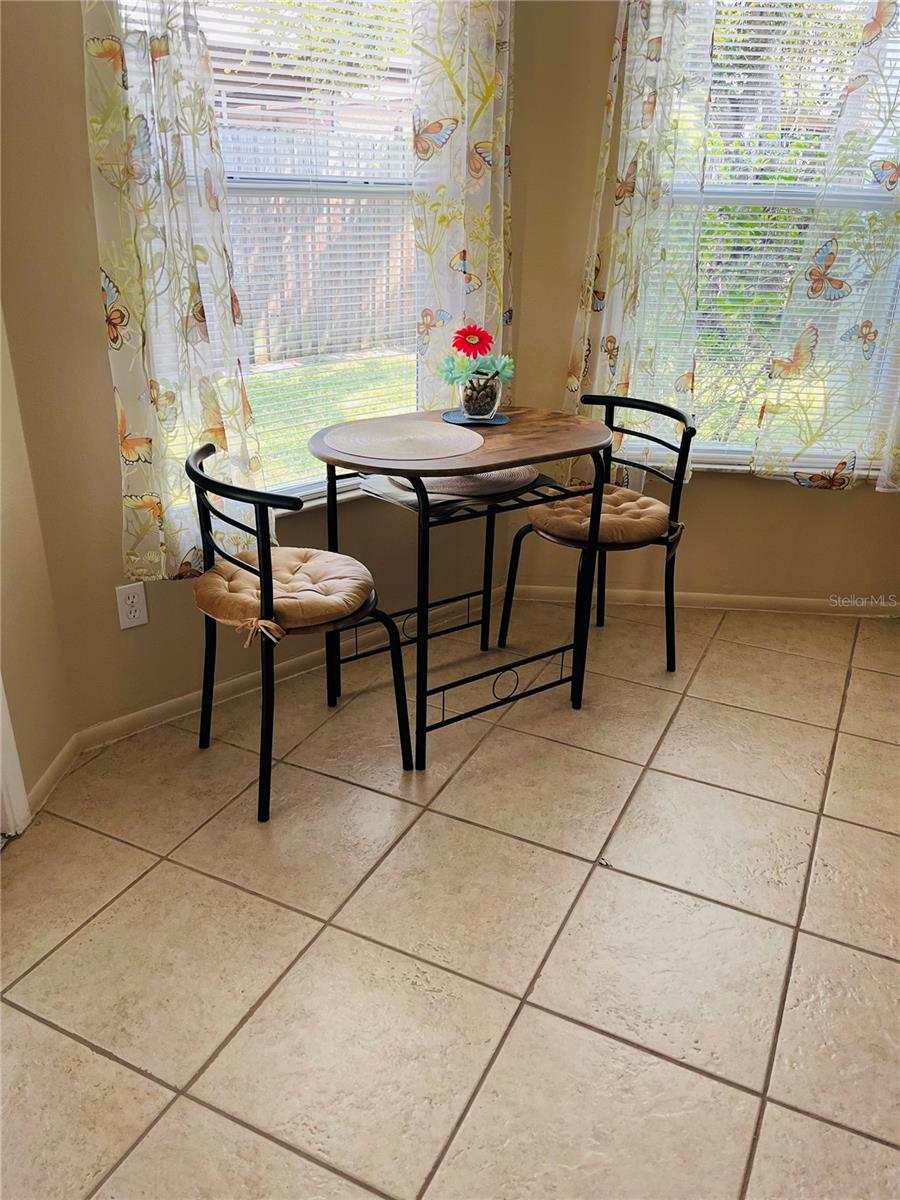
{"x":313,"y":496}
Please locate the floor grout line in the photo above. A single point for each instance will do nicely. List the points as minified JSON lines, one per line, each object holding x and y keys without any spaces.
{"x":827,"y":816}
{"x":545,"y":737}
{"x":319,"y":669}
{"x":811,"y":812}
{"x":307,"y":913}
{"x":875,"y":670}
{"x":603,"y":865}
{"x":659,"y":741}
{"x":78,"y":928}
{"x":89,"y":1045}
{"x":792,"y":950}
{"x":710,"y":1075}
{"x":320,"y":919}
{"x":644,"y":1049}
{"x":644,"y":767}
{"x":248,"y":891}
{"x":212,"y":816}
{"x":284,"y":762}
{"x":799,"y":808}
{"x":306,"y":1155}
{"x":782,"y":650}
{"x":92,"y":1191}
{"x":427,"y":962}
{"x":544,"y":959}
{"x":514,"y":837}
{"x":452,"y":816}
{"x":803,"y":1112}
{"x":715,"y":637}
{"x":231,"y":797}
{"x":819,"y":816}
{"x":760,"y":712}
{"x":722,"y":704}
{"x":676,"y":774}
{"x":184,"y":1090}
{"x":500,"y":1044}
{"x":683,"y":694}
{"x":330,"y":922}
{"x":113,"y":837}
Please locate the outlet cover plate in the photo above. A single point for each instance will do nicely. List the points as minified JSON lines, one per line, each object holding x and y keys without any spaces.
{"x":131,"y":600}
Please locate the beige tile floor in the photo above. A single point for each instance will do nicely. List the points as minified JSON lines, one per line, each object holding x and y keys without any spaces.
{"x":643,"y":951}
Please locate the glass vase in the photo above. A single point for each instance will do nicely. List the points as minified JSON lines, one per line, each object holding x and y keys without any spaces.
{"x":480,"y":397}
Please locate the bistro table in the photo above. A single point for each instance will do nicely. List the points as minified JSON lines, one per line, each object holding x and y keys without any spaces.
{"x":531,"y":436}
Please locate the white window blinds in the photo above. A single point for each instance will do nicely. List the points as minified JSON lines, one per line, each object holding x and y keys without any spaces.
{"x":314,"y":105}
{"x":777,"y":179}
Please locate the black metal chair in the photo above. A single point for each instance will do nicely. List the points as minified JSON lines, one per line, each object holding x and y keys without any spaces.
{"x":303,"y":595}
{"x":628,"y":521}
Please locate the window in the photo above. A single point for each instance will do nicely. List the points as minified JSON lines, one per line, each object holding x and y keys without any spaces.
{"x":314,"y":106}
{"x":779,"y":86}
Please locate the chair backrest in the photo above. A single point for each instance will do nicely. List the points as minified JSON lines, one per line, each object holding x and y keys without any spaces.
{"x":681,"y":448}
{"x":261,"y":502}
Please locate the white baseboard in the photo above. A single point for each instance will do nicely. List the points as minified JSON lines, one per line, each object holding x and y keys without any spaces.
{"x":158,"y":714}
{"x":40,"y":791}
{"x":555,"y":594}
{"x":104,"y":732}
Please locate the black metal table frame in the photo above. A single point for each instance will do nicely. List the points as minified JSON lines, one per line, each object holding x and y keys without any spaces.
{"x":429,"y":516}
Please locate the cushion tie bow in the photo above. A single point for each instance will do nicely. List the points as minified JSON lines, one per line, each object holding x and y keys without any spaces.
{"x":254,"y":625}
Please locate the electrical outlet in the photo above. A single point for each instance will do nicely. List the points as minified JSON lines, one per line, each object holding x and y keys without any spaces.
{"x":132,"y":602}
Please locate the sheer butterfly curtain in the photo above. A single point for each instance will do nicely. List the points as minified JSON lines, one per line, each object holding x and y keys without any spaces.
{"x":172,"y":315}
{"x":461,"y":191}
{"x":742,"y":259}
{"x":640,"y":276}
{"x":831,"y":388}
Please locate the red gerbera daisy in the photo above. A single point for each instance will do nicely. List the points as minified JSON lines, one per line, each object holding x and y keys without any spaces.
{"x":472,"y":340}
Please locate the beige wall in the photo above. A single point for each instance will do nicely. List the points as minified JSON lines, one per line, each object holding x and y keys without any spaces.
{"x":745,"y":536}
{"x":749,"y":537}
{"x":33,"y":664}
{"x":561,"y":65}
{"x":57,"y":342}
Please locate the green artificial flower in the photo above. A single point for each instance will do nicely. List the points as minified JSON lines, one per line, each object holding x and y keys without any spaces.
{"x":499,"y":366}
{"x":456,"y":368}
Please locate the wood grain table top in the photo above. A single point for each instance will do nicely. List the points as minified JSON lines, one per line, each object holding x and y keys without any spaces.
{"x":532,"y":435}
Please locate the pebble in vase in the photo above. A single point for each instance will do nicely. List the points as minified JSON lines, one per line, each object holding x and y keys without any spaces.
{"x":480,"y":397}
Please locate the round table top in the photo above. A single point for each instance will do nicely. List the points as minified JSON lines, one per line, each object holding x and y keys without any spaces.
{"x":532,"y":435}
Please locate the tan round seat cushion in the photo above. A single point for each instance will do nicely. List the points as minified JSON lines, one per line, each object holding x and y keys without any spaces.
{"x":626,"y":517}
{"x":309,"y":586}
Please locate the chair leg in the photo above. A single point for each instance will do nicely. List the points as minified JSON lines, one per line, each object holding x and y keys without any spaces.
{"x":487,"y":579}
{"x":266,"y":725}
{"x":423,"y":583}
{"x":514,"y":553}
{"x":332,"y":668}
{"x":209,"y":679}
{"x":583,"y":587}
{"x":601,"y":588}
{"x":670,"y":613}
{"x":396,"y":650}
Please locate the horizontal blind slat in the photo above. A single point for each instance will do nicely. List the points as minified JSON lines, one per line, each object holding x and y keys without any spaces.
{"x":777,"y":158}
{"x":314,"y":106}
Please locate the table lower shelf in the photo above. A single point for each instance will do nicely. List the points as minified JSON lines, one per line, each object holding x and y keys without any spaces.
{"x":498,"y":672}
{"x":402,"y":617}
{"x":450,"y":511}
